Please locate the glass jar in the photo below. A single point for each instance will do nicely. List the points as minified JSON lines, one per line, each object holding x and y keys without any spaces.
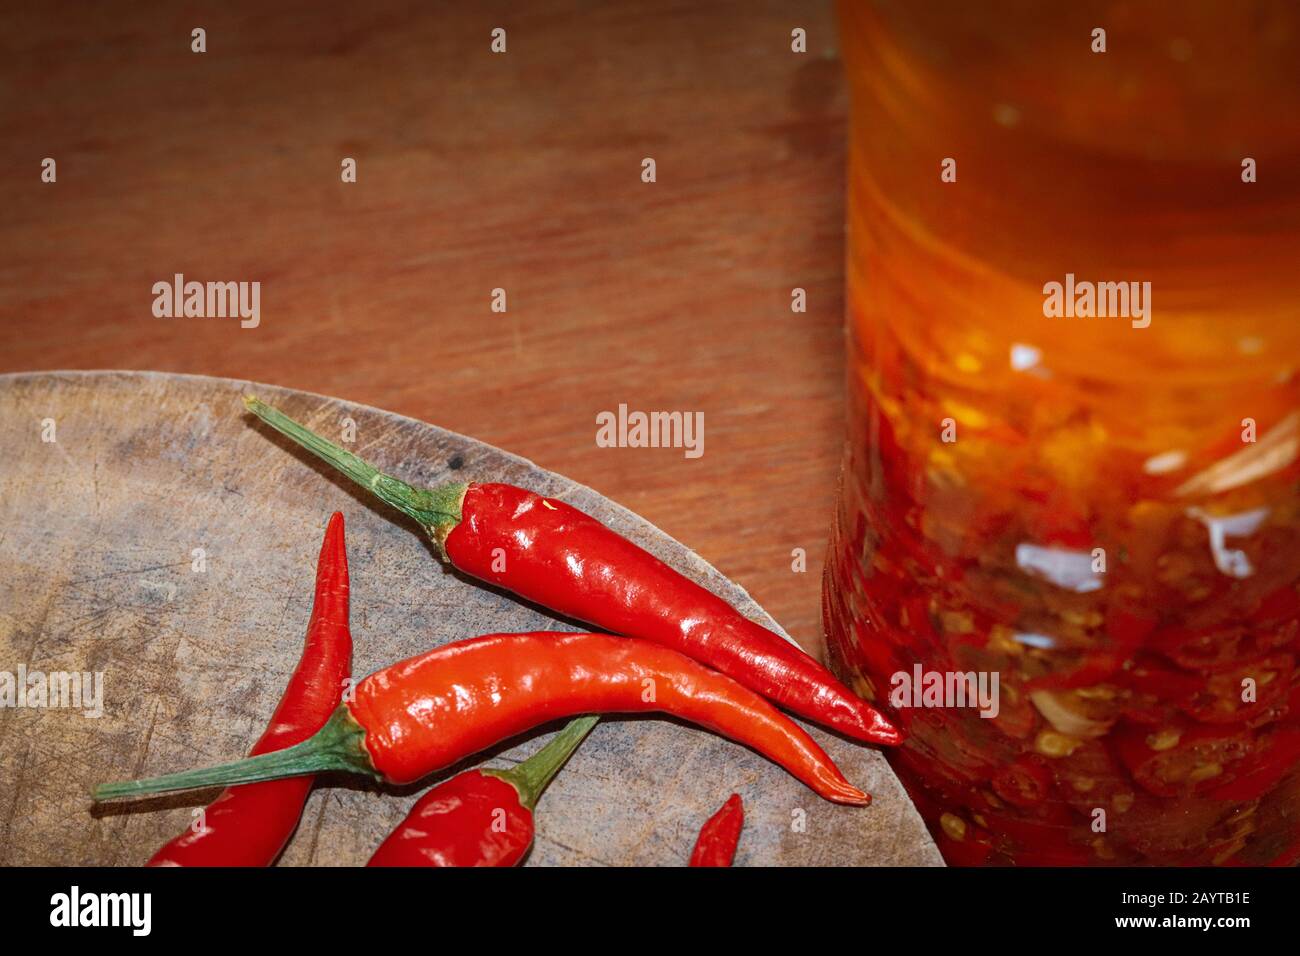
{"x":1059,"y":478}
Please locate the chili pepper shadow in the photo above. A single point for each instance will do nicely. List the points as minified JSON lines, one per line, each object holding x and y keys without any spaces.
{"x":155,"y":804}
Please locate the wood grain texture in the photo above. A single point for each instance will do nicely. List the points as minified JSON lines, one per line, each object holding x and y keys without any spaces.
{"x":476,"y":171}
{"x":97,"y":531}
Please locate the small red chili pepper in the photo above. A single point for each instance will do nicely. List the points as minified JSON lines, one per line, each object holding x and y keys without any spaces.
{"x":480,"y":817}
{"x":549,"y":552}
{"x":431,"y":711}
{"x":249,"y":825}
{"x":716,"y":845}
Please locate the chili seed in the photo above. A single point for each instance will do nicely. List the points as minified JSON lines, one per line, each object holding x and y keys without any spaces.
{"x":1083,"y":784}
{"x":1096,"y":693}
{"x":968,"y":416}
{"x":957,"y":622}
{"x":1052,"y":744}
{"x":1172,"y":569}
{"x":953,"y":825}
{"x":1164,"y":739}
{"x":1082,"y":619}
{"x":1122,"y":802}
{"x":1207,"y":772}
{"x":1003,"y":640}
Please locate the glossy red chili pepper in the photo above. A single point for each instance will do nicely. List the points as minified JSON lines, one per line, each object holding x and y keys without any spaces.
{"x":716,"y":845}
{"x":480,"y":817}
{"x":249,"y":825}
{"x":549,"y":552}
{"x":431,"y":711}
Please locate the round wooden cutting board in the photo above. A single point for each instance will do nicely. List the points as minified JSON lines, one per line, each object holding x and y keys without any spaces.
{"x":165,"y":540}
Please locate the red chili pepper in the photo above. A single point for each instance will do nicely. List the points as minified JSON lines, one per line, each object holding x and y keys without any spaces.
{"x":1288,"y":857}
{"x":1150,"y":676}
{"x":249,"y":825}
{"x":431,"y":711}
{"x":1125,"y":630}
{"x":1041,"y":841}
{"x":1024,"y":782}
{"x":1225,"y":646}
{"x":1218,"y":700}
{"x":480,"y":817}
{"x":1279,"y":606}
{"x":966,"y":852}
{"x":1060,"y":853}
{"x":1180,"y":760}
{"x":1273,"y":757}
{"x":549,"y":552}
{"x":716,"y":845}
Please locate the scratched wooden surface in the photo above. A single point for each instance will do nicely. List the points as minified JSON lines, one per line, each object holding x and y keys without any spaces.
{"x":97,"y":533}
{"x":476,"y":171}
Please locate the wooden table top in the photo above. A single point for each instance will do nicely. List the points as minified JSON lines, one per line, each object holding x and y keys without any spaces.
{"x":475,"y":171}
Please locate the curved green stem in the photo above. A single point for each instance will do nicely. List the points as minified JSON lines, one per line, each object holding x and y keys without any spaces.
{"x":531,"y":777}
{"x":436,"y":509}
{"x":339,"y":745}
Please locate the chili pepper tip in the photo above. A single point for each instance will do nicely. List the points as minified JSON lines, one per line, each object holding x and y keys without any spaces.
{"x":853,"y":797}
{"x":716,"y":845}
{"x":887,"y":734}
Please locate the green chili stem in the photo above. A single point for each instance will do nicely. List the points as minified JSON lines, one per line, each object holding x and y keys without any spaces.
{"x":531,"y":777}
{"x":436,"y":509}
{"x":339,"y":745}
